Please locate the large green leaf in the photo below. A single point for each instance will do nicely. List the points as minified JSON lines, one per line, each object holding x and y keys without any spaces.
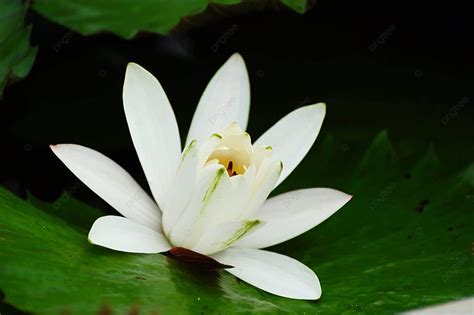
{"x":404,"y":241}
{"x":16,"y":54}
{"x":127,"y":17}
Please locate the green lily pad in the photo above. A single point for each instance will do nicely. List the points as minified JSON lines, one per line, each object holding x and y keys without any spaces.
{"x":16,"y":54}
{"x":61,"y":208}
{"x":403,"y":242}
{"x":127,"y":17}
{"x":297,"y":5}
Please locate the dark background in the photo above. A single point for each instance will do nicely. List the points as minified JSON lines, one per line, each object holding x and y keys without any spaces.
{"x":389,"y":65}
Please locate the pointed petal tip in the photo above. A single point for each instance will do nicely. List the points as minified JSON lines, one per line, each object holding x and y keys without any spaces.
{"x":133,"y":65}
{"x":56,"y":148}
{"x":132,"y":68}
{"x":135,"y":68}
{"x":237,"y":57}
{"x":318,"y":106}
{"x":236,"y":60}
{"x":345,"y":197}
{"x":348,"y":197}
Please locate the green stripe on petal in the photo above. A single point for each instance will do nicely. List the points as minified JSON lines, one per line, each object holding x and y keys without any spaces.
{"x":246,"y":227}
{"x":212,"y":188}
{"x":188,"y":149}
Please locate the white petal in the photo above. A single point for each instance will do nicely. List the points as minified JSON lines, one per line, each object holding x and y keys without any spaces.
{"x":225,"y":203}
{"x":185,"y":181}
{"x":111,"y":182}
{"x":293,"y":213}
{"x":206,"y":184}
{"x":275,"y":273}
{"x":293,"y":135}
{"x":226,"y":99}
{"x":217,"y":198}
{"x":224,"y":235}
{"x":461,"y":307}
{"x":122,"y":234}
{"x":153,"y":128}
{"x":182,"y":187}
{"x":206,"y":148}
{"x":266,"y":177}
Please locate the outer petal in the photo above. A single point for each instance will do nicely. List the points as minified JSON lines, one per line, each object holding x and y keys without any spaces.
{"x":291,"y":214}
{"x":275,"y":273}
{"x":226,"y":99}
{"x":153,"y":128}
{"x":460,"y":307}
{"x":111,"y":182}
{"x":122,"y":234}
{"x":292,"y":136}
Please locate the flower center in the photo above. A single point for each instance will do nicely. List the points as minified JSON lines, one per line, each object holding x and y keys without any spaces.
{"x":235,"y":161}
{"x":234,"y":152}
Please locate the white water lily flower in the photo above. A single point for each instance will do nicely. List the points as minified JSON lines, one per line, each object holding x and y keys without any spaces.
{"x":211,"y":198}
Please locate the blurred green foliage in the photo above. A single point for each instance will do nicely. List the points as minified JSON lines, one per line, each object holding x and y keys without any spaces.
{"x":127,"y":17}
{"x":16,"y":54}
